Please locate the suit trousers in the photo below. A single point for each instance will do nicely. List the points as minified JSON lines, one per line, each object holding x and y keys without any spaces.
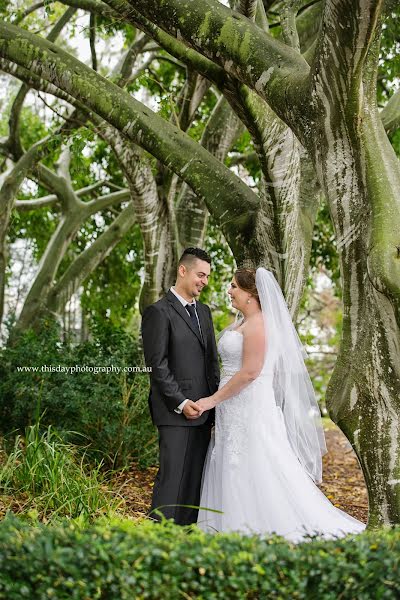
{"x":182,"y":454}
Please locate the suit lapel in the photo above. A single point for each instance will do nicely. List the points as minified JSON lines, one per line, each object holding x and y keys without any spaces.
{"x":185,"y":315}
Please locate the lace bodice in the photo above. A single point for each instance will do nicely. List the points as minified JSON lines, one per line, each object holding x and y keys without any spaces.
{"x":230,"y":348}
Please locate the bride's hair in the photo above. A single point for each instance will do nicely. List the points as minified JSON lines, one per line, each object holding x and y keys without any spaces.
{"x":246,"y":280}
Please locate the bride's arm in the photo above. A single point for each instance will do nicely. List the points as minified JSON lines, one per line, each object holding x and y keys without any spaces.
{"x":252,"y":363}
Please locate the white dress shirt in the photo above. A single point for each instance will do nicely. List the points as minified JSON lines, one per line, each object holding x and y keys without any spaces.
{"x":184,"y":303}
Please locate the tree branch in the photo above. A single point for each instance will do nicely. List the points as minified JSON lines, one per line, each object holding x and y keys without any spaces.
{"x":89,"y":259}
{"x":171,"y":146}
{"x":390,"y":114}
{"x":288,"y":22}
{"x":229,"y":39}
{"x":248,"y":8}
{"x":92,"y":40}
{"x":14,"y":141}
{"x":29,"y":11}
{"x":27,"y":205}
{"x":35,"y":82}
{"x":106,"y":201}
{"x":10,"y":185}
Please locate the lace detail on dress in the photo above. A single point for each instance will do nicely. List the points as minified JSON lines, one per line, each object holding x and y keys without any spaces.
{"x":251,"y":473}
{"x":230,"y":348}
{"x":230,"y":424}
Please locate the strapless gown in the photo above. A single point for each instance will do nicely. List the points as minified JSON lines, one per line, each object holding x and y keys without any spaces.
{"x":251,"y":474}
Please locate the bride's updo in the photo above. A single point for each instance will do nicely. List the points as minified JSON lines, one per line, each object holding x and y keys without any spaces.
{"x":246,"y":280}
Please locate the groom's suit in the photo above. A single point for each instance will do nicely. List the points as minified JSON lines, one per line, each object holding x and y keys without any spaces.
{"x":184,"y":362}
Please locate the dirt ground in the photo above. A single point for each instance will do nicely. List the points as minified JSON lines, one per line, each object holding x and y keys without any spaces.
{"x":343,"y":481}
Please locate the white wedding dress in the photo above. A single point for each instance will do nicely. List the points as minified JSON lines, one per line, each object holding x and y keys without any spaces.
{"x":251,"y":474}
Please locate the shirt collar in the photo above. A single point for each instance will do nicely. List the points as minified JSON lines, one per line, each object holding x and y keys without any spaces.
{"x":182,"y":300}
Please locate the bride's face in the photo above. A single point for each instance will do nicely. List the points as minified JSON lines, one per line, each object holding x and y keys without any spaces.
{"x":238,"y":296}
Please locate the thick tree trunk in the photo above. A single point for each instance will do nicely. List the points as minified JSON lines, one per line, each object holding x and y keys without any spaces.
{"x":364,"y":392}
{"x":150,"y":212}
{"x":289,"y":195}
{"x":361,"y":179}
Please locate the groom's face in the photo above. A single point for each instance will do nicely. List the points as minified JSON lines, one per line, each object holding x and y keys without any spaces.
{"x":195,"y":277}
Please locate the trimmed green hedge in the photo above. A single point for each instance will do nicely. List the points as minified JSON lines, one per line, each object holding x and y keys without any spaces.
{"x":126,"y":560}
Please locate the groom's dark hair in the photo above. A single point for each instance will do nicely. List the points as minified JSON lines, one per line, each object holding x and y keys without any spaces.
{"x":190,"y":254}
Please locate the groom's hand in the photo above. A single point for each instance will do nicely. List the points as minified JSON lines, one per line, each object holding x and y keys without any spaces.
{"x":191,"y":410}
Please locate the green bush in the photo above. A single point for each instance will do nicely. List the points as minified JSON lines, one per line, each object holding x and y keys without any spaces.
{"x":51,"y":478}
{"x":124,"y":560}
{"x":109,"y":410}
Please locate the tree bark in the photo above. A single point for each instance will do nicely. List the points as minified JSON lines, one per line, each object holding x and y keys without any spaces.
{"x":361,"y":180}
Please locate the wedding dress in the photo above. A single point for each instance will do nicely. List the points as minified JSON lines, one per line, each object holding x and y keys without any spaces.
{"x":252,"y":474}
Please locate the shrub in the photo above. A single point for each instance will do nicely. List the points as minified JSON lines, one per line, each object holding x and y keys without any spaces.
{"x":124,"y":560}
{"x":109,"y":410}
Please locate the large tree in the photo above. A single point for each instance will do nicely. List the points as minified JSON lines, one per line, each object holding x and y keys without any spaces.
{"x":307,"y":96}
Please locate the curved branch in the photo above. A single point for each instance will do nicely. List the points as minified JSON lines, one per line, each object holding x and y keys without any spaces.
{"x":28,"y":205}
{"x":229,"y":39}
{"x":14,"y":141}
{"x":34,"y":82}
{"x":29,"y":11}
{"x":208,"y":177}
{"x":105,"y":201}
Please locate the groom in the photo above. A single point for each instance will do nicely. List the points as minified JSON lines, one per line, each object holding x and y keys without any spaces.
{"x":179,"y":345}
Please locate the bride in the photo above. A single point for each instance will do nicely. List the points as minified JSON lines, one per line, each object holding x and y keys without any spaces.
{"x":265,"y":455}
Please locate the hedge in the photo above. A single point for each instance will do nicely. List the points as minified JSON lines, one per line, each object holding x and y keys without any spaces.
{"x":126,"y":560}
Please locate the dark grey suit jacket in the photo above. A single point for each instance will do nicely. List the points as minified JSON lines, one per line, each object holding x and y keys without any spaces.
{"x":183,"y":364}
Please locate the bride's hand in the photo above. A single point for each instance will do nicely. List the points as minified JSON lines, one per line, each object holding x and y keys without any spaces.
{"x":205,"y":404}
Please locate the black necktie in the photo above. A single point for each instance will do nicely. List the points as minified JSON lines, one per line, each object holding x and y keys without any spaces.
{"x":192,"y":312}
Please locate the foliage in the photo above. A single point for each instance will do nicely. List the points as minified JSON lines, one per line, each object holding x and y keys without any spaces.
{"x":222,"y":269}
{"x":389,"y":63}
{"x":121,"y":560}
{"x":109,"y":410}
{"x":51,"y":477}
{"x":324,"y":250}
{"x":111,"y":292}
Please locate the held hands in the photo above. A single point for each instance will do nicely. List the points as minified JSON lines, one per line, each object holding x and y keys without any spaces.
{"x":191,"y":410}
{"x":205,"y":404}
{"x":194,"y":410}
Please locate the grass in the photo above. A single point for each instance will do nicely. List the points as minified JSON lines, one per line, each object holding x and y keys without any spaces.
{"x":47,"y":479}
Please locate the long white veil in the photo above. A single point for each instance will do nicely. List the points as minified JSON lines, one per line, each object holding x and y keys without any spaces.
{"x":293,"y":389}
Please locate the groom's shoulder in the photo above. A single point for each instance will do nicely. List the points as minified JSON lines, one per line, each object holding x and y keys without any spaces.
{"x":160,"y":306}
